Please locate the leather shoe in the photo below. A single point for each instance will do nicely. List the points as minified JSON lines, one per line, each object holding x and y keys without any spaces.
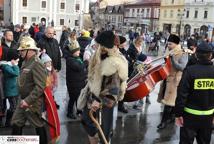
{"x":71,"y":116}
{"x":122,"y":109}
{"x":161,"y":125}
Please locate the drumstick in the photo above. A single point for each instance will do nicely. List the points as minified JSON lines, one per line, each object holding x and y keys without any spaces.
{"x":98,"y":126}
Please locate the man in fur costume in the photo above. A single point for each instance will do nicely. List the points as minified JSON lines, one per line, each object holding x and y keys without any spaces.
{"x":168,"y":88}
{"x":107,"y":75}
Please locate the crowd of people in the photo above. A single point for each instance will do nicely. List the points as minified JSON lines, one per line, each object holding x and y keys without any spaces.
{"x":98,"y":66}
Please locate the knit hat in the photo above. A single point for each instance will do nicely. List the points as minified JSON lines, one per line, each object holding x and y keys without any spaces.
{"x":86,"y":34}
{"x":142,"y":57}
{"x":106,"y":39}
{"x":18,"y":26}
{"x":122,"y":39}
{"x":174,"y":38}
{"x":73,"y":46}
{"x":204,"y":47}
{"x":45,"y":58}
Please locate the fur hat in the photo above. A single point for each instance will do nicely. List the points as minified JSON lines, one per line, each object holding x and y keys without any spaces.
{"x":45,"y":58}
{"x":27,"y":43}
{"x":174,"y":38}
{"x":204,"y":47}
{"x":106,"y":39}
{"x":122,"y":39}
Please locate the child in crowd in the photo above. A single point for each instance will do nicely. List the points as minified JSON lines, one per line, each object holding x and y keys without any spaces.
{"x":75,"y":76}
{"x":52,"y":80}
{"x":10,"y":74}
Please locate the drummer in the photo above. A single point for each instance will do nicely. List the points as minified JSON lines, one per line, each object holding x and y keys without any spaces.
{"x":168,"y":89}
{"x":142,"y":63}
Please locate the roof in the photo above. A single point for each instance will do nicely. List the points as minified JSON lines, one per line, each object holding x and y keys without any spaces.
{"x":117,"y":9}
{"x":144,"y":2}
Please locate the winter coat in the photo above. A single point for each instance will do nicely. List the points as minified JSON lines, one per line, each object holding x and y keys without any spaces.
{"x":168,"y":90}
{"x":133,"y":54}
{"x":11,"y":74}
{"x":52,"y":49}
{"x":83,"y":42}
{"x":6,"y":49}
{"x":75,"y":72}
{"x":64,"y":37}
{"x":16,"y":36}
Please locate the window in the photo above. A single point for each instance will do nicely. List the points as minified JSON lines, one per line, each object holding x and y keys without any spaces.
{"x":196,"y":14}
{"x":165,"y":13}
{"x":147,"y":13}
{"x":133,"y":12}
{"x":43,"y":4}
{"x":187,"y":14}
{"x":62,"y":21}
{"x":24,"y":20}
{"x":33,"y":19}
{"x":62,"y":5}
{"x":171,"y":13}
{"x":76,"y":22}
{"x":24,"y":3}
{"x":205,"y":14}
{"x":77,"y":7}
{"x":142,"y":12}
{"x":172,"y":1}
{"x":138,"y":10}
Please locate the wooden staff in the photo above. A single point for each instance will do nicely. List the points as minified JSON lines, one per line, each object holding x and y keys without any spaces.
{"x":98,"y":126}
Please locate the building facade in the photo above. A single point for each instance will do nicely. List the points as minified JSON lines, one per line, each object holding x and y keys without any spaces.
{"x":198,"y":17}
{"x":113,"y":17}
{"x":171,"y":16}
{"x":53,"y":12}
{"x":142,"y":15}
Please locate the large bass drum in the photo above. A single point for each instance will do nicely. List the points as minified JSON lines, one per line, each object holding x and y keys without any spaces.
{"x":143,"y":83}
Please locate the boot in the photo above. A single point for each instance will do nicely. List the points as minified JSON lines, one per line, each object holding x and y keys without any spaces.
{"x":41,"y":131}
{"x":121,"y":107}
{"x":148,"y":100}
{"x":57,"y":106}
{"x":1,"y":122}
{"x":71,"y":116}
{"x":8,"y":118}
{"x":165,"y":117}
{"x":16,"y":130}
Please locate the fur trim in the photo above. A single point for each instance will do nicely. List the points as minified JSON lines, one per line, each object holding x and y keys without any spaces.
{"x":115,"y":64}
{"x":112,"y":64}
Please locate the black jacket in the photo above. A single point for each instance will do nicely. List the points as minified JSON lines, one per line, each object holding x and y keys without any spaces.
{"x":191,"y":95}
{"x":52,"y":49}
{"x":192,"y":60}
{"x":75,"y":73}
{"x":6,"y":49}
{"x":133,"y":54}
{"x":83,"y":42}
{"x":16,"y":36}
{"x":63,"y":38}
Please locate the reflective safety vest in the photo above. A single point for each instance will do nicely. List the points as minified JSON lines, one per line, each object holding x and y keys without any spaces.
{"x":199,"y":112}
